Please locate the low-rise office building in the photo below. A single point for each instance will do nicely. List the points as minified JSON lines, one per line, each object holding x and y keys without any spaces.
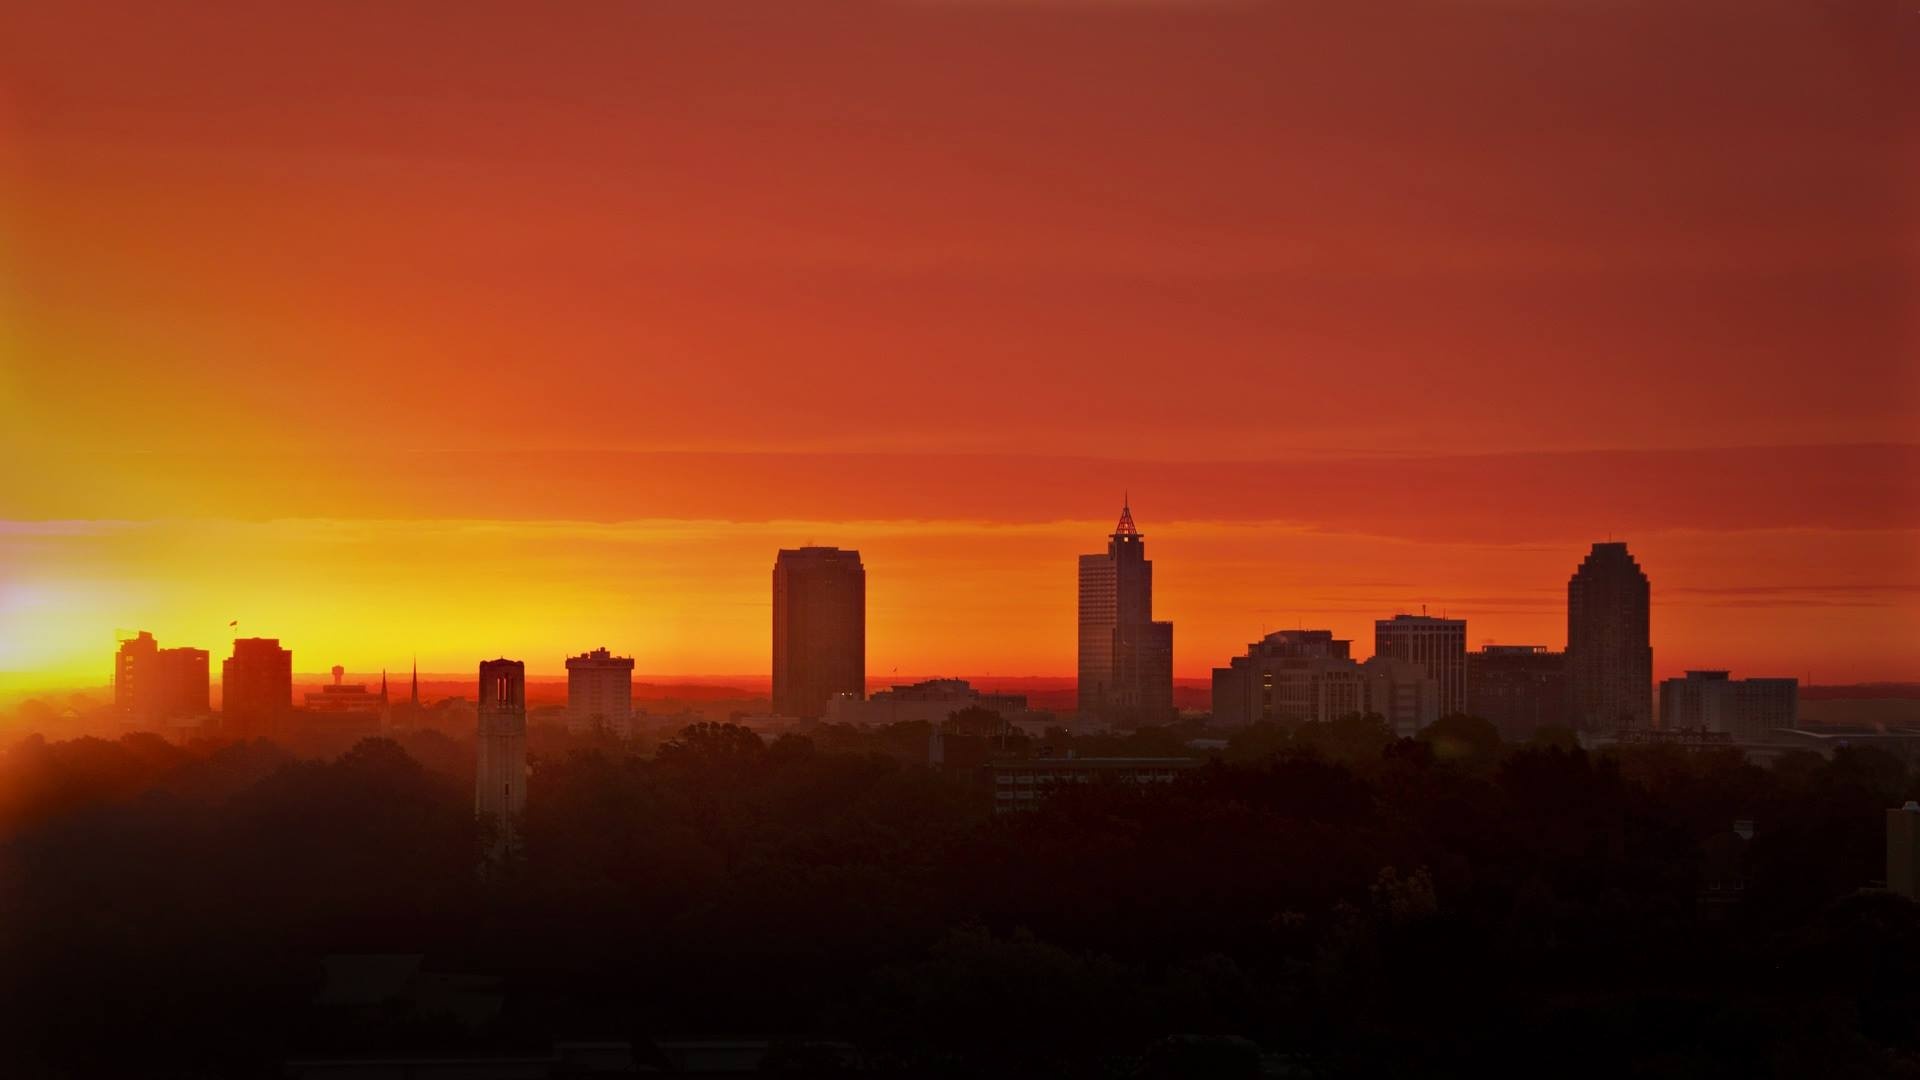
{"x":1297,"y":676}
{"x":1750,"y":710}
{"x":1519,"y":689}
{"x":932,"y":702}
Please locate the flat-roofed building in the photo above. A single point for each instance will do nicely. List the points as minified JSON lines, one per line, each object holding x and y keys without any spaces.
{"x":1437,"y":645}
{"x":932,"y":701}
{"x":256,"y":687}
{"x":1401,"y":692}
{"x":599,"y":692}
{"x":154,"y":687}
{"x":1519,"y":689}
{"x":819,"y":629}
{"x":340,"y":696}
{"x":1750,"y":710}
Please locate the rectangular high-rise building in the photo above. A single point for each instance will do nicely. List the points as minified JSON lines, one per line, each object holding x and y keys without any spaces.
{"x":500,"y":774}
{"x":599,"y":691}
{"x":1750,"y":710}
{"x":1126,"y":658}
{"x":819,"y":629}
{"x":135,"y":672}
{"x":256,"y":687}
{"x":152,"y":685}
{"x":1609,"y":643}
{"x":1519,"y":689}
{"x":1437,"y":645}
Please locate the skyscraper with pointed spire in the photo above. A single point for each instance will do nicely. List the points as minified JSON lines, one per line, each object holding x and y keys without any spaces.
{"x":1126,"y":658}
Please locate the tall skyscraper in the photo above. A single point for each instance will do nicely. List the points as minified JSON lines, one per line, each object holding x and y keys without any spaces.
{"x":819,"y":629}
{"x":256,"y":687}
{"x":1609,"y":650}
{"x":1438,"y":645}
{"x":500,"y":778}
{"x":1126,"y":658}
{"x":152,"y":685}
{"x":599,"y":691}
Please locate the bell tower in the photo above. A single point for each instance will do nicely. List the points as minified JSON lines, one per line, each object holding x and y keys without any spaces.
{"x":500,"y":778}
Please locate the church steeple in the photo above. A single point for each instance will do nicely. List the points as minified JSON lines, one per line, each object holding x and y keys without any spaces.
{"x":416,"y":684}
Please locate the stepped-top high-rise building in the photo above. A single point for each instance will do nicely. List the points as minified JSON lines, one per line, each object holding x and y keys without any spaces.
{"x":1609,"y":648}
{"x":500,"y":778}
{"x":1126,"y":658}
{"x":819,"y":629}
{"x":1438,"y":645}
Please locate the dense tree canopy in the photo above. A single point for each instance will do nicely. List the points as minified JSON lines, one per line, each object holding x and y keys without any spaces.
{"x":1326,"y":897}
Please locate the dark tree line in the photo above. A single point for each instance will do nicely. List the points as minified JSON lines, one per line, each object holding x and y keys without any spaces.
{"x":1345,"y":903}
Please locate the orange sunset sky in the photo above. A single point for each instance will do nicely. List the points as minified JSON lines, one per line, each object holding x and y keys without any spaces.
{"x":479,"y":329}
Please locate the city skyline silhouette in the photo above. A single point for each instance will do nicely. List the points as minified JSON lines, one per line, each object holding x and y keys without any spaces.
{"x":1081,"y":539}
